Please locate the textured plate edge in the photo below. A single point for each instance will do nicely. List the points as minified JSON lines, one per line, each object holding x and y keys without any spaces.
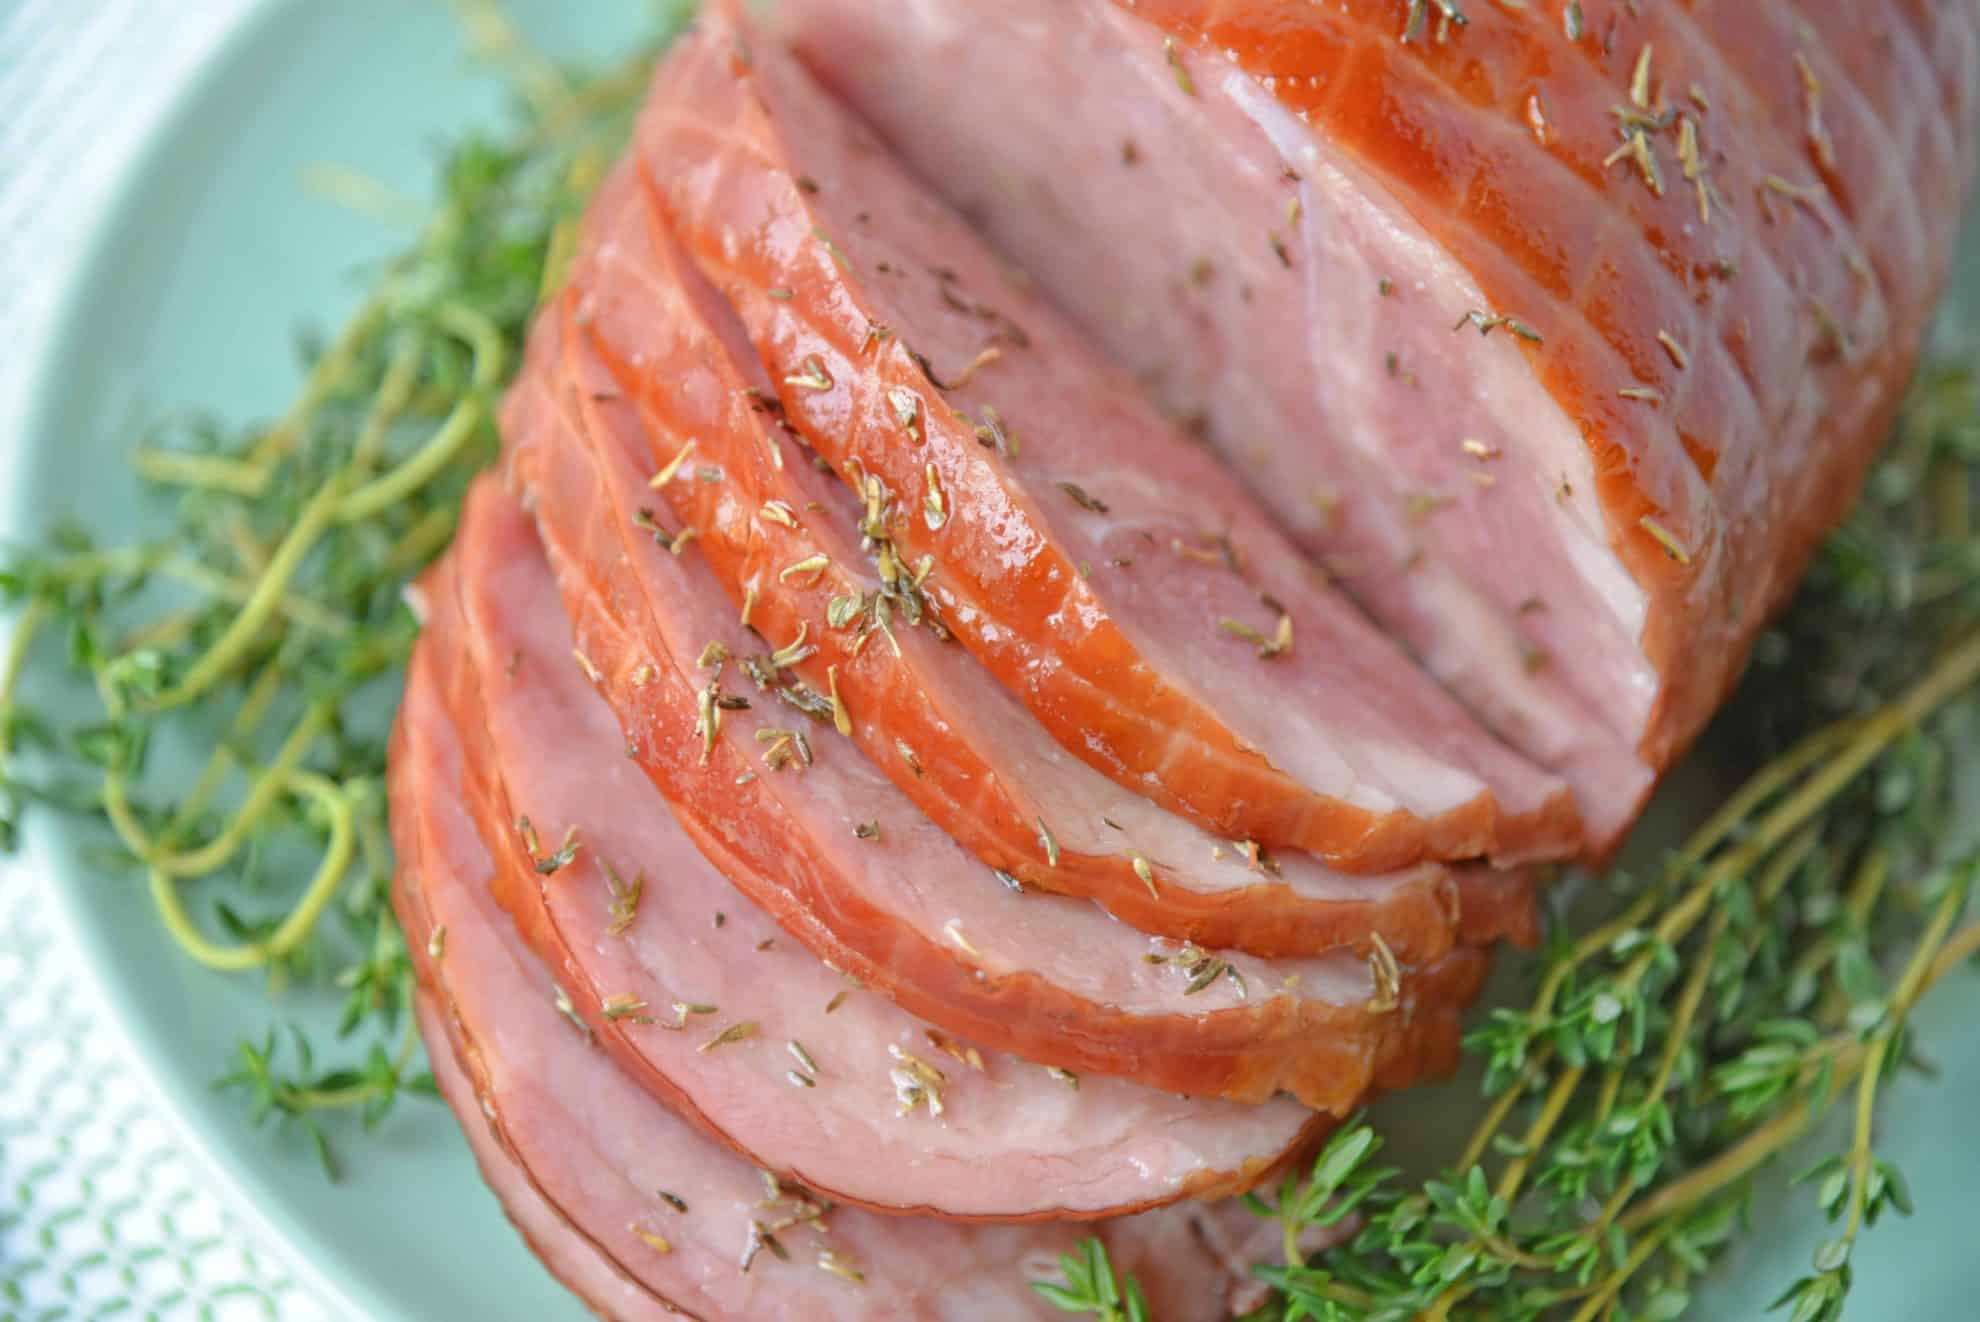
{"x":232,"y":1180}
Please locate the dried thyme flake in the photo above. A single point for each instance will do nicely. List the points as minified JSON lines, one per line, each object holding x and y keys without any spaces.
{"x":761,"y":1237}
{"x":916,"y":1082}
{"x":673,"y":467}
{"x":811,"y":376}
{"x":1487,"y":322}
{"x":1205,"y":971}
{"x":795,"y":651}
{"x":1144,"y":870}
{"x":562,"y":1000}
{"x":1678,"y":355}
{"x":736,"y":1032}
{"x":1278,"y":644}
{"x":1386,"y":973}
{"x":948,"y":1046}
{"x":1082,"y":499}
{"x":1048,"y":842}
{"x":777,"y":511}
{"x":934,"y":510}
{"x":1665,"y":538}
{"x":548,"y":864}
{"x":1173,"y":53}
{"x":436,"y":944}
{"x":841,"y":718}
{"x":813,"y":565}
{"x":1639,"y":79}
{"x":1066,"y":1077}
{"x":625,"y":1006}
{"x":658,"y":1243}
{"x":624,"y":906}
{"x":684,"y":1010}
{"x":907,"y":411}
{"x":838,"y":1264}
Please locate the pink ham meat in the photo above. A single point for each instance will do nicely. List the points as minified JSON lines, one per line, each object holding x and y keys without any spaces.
{"x":985,"y":771}
{"x":1010,"y":1140}
{"x":1276,"y":213}
{"x":815,"y":835}
{"x":1101,"y":564}
{"x":588,"y":1165}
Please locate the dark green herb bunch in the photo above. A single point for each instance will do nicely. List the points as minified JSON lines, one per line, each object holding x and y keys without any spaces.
{"x":239,"y":668}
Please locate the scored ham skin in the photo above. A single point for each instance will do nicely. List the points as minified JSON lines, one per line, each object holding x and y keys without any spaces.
{"x":1013,"y":1142}
{"x":1628,"y":545}
{"x":579,"y":1155}
{"x":985,"y":771}
{"x":1087,"y":569}
{"x":903,"y":908}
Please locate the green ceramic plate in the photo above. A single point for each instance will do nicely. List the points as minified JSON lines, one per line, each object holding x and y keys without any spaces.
{"x":210,"y":258}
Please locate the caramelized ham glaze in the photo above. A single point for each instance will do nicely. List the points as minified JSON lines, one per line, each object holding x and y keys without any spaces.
{"x":1102,"y":565}
{"x":660,"y":366}
{"x":1568,"y":415}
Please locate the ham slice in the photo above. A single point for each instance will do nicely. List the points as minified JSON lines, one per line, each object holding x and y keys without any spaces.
{"x":631,"y":1208}
{"x":813,"y":1092}
{"x":1102,"y":565}
{"x":986,"y":772}
{"x":806,"y":827}
{"x":1275,"y":214}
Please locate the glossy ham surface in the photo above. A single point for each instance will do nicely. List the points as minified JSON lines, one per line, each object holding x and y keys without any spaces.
{"x":638,"y":321}
{"x":631,"y":1208}
{"x":803,"y":824}
{"x":1100,"y":563}
{"x":814,"y":1091}
{"x":1559,"y":350}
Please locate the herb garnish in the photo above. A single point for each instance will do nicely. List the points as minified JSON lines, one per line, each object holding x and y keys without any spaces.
{"x":1760,"y":980}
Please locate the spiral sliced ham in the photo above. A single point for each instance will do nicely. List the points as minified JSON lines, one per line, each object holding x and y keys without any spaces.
{"x":1100,"y":563}
{"x":1001,"y":1138}
{"x":805,"y":826}
{"x":985,"y":771}
{"x":1566,"y":413}
{"x":1055,"y":562}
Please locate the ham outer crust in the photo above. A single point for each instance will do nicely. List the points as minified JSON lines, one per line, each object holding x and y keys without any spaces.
{"x":1066,"y":566}
{"x":1720,"y":345}
{"x":1012,"y":1142}
{"x":988,"y":773}
{"x":576,"y":1152}
{"x":907,"y":911}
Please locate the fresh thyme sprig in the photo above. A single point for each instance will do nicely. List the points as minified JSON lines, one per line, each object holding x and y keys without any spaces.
{"x":238,"y":666}
{"x":1761,"y":980}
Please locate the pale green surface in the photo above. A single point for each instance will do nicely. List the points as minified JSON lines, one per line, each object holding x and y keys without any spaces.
{"x":212,"y":256}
